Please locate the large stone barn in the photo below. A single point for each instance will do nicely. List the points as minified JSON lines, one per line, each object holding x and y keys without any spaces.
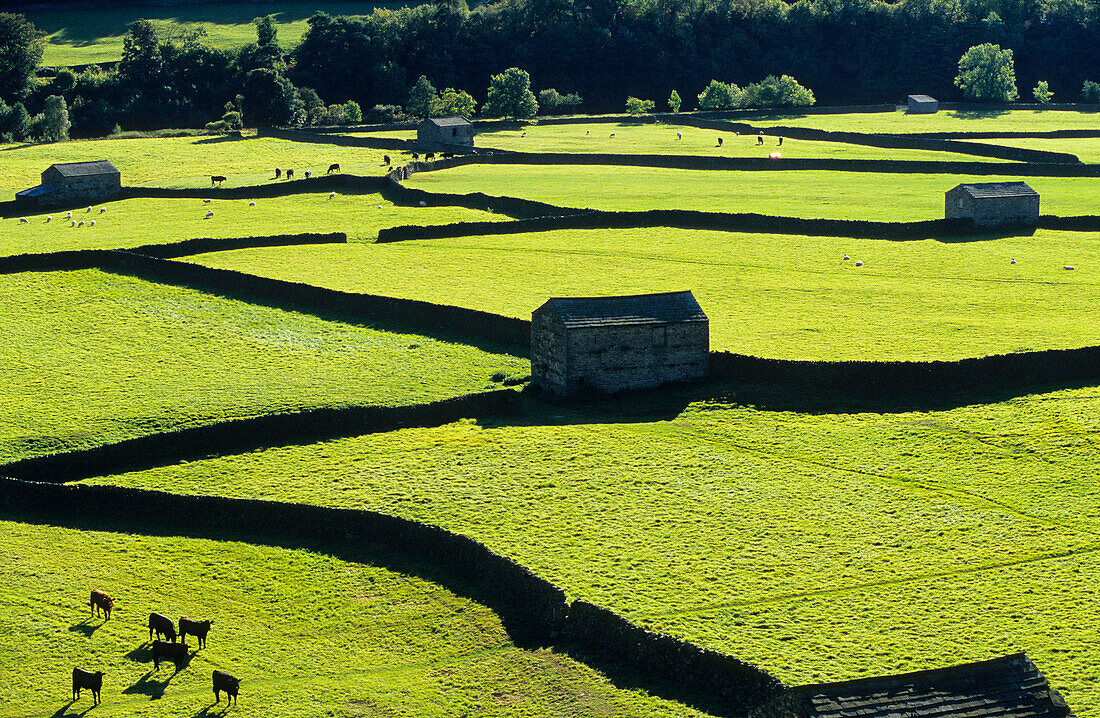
{"x":74,"y":183}
{"x":609,"y":344}
{"x":437,"y":134}
{"x":993,"y":204}
{"x":923,"y":105}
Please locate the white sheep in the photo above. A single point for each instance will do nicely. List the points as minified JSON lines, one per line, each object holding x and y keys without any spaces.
{"x":859,"y":262}
{"x":80,"y":223}
{"x":1068,"y":267}
{"x":102,"y":210}
{"x":48,"y":218}
{"x":88,"y":210}
{"x":379,"y":206}
{"x":206,"y":201}
{"x":24,"y":220}
{"x":251,"y":204}
{"x":308,"y":173}
{"x":73,"y":224}
{"x":679,"y":135}
{"x":423,"y":203}
{"x":846,"y":256}
{"x":332,"y":195}
{"x":69,"y":215}
{"x":92,"y":223}
{"x":209,"y":214}
{"x":1013,"y":261}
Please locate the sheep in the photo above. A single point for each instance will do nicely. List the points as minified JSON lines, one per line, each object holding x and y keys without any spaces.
{"x":92,"y":223}
{"x":48,"y":218}
{"x":423,"y":203}
{"x":386,"y":160}
{"x":379,"y":206}
{"x":209,"y":214}
{"x":523,"y":134}
{"x":332,"y":195}
{"x":780,"y":142}
{"x":102,"y":210}
{"x":1068,"y":267}
{"x":69,"y":215}
{"x":586,"y":133}
{"x":88,"y":210}
{"x":679,"y":135}
{"x":308,"y":173}
{"x":1013,"y":261}
{"x":859,"y":262}
{"x":290,"y":174}
{"x":73,"y":224}
{"x":612,"y":134}
{"x":719,"y":142}
{"x":251,"y":204}
{"x":846,"y":256}
{"x":80,"y":224}
{"x":24,"y":220}
{"x":206,"y":201}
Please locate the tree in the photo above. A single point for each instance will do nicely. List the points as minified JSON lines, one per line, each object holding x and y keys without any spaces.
{"x":719,"y":96}
{"x":1042,"y":92}
{"x":353,"y":111}
{"x":453,"y":102}
{"x":271,"y":100}
{"x":772,"y":91}
{"x":421,"y":96}
{"x":510,"y":95}
{"x":986,"y":74}
{"x":55,"y":119}
{"x":674,"y":101}
{"x":20,"y":53}
{"x":19,"y":122}
{"x":1090,"y":92}
{"x":141,"y":64}
{"x":266,"y":32}
{"x":553,"y":102}
{"x":637,"y":106}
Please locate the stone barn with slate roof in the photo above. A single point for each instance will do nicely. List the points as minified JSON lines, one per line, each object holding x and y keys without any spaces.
{"x":74,"y":183}
{"x":999,"y":688}
{"x":609,"y":344}
{"x":444,"y":133}
{"x":923,"y":105}
{"x":993,"y":204}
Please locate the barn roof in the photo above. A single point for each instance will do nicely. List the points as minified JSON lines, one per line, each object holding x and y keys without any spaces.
{"x":1007,"y":686}
{"x":37,"y":191}
{"x":449,"y":121}
{"x":83,"y":169}
{"x":997,"y":189}
{"x":922,"y":98}
{"x":662,"y":308}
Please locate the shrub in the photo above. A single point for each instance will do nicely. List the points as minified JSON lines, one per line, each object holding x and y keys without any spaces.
{"x":772,"y":91}
{"x":638,"y":106}
{"x":353,"y":111}
{"x":453,"y":103}
{"x":1042,"y":92}
{"x":674,"y":101}
{"x":386,"y":114}
{"x":553,"y":102}
{"x":1090,"y":92}
{"x":719,"y":96}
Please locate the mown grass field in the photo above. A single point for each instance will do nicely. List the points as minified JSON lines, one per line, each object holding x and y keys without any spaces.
{"x":304,"y":631}
{"x":911,"y":300}
{"x":80,"y":36}
{"x":822,"y":546}
{"x":944,"y":121}
{"x":797,"y":193}
{"x":91,"y":357}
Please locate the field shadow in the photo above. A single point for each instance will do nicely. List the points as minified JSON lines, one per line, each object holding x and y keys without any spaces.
{"x":63,"y":711}
{"x":149,"y":685}
{"x":206,"y":711}
{"x":979,"y":114}
{"x":219,"y":139}
{"x":141,"y":654}
{"x":85,"y":627}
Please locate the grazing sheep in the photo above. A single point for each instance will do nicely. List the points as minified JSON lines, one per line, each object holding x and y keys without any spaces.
{"x":423,"y":203}
{"x":859,"y":262}
{"x":334,"y":167}
{"x":379,"y":206}
{"x":780,"y":141}
{"x":679,"y":135}
{"x":206,"y":201}
{"x":80,"y":223}
{"x":612,"y":134}
{"x":209,"y":214}
{"x":1013,"y":261}
{"x":48,"y":218}
{"x":102,"y":210}
{"x":846,"y":256}
{"x":69,"y":215}
{"x":251,"y":204}
{"x":1068,"y":267}
{"x":89,"y":680}
{"x":760,"y":138}
{"x":775,"y":155}
{"x":88,"y":210}
{"x":308,"y":173}
{"x":92,"y":223}
{"x":24,"y":220}
{"x":332,"y":195}
{"x":586,"y":132}
{"x":73,"y":223}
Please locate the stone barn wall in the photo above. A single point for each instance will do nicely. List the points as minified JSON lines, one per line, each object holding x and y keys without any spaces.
{"x":549,"y":357}
{"x":86,"y":189}
{"x":619,"y":358}
{"x":992,"y":211}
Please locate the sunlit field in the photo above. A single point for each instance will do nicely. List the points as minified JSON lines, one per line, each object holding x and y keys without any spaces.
{"x":943,"y":121}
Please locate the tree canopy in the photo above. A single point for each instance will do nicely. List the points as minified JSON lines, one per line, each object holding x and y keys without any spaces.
{"x":986,"y":74}
{"x":20,"y":53}
{"x":510,"y":95}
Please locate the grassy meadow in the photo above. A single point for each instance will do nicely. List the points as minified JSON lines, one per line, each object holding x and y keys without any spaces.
{"x":1087,"y":149}
{"x":301,"y":629}
{"x":822,"y":546}
{"x":91,"y":357}
{"x":944,"y":121}
{"x":911,"y":300}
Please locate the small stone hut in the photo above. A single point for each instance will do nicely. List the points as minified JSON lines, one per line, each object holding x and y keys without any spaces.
{"x":444,"y":133}
{"x":993,"y":204}
{"x":923,"y":105}
{"x":609,"y":344}
{"x":1007,"y":686}
{"x":74,"y":183}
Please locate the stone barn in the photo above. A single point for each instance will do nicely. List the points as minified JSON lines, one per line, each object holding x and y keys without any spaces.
{"x":609,"y":344}
{"x":923,"y":105}
{"x":437,"y":134}
{"x":74,"y":183}
{"x":993,"y":204}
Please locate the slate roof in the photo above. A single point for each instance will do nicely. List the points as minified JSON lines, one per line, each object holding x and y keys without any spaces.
{"x":1007,"y":687}
{"x":37,"y":191}
{"x":997,"y":189}
{"x":665,"y":308}
{"x":449,"y":121}
{"x":922,"y":98}
{"x":83,"y":169}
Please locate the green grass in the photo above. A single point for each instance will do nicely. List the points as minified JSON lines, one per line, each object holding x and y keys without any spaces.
{"x":661,"y":140}
{"x":822,"y":546}
{"x":1087,"y":149}
{"x":768,"y":295}
{"x":308,"y":634}
{"x":79,"y":36}
{"x":91,"y":357}
{"x":810,"y":194}
{"x":945,"y":121}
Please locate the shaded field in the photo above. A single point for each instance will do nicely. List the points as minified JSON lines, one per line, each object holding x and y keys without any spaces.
{"x":662,"y":140}
{"x":91,"y":358}
{"x":795,"y":193}
{"x":1086,"y":148}
{"x":303,"y":630}
{"x":944,"y":121}
{"x":758,"y":532}
{"x":135,"y":222}
{"x":780,"y":296}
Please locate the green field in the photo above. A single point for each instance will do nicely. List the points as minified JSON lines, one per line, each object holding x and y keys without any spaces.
{"x":80,"y":36}
{"x":91,"y":357}
{"x":1087,"y":149}
{"x":298,"y":628}
{"x":758,"y":532}
{"x":910,"y":300}
{"x":797,"y":193}
{"x":945,"y":121}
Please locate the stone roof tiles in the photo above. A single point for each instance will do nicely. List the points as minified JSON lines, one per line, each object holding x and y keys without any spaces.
{"x":998,"y":189}
{"x":83,"y":169}
{"x":663,"y":308}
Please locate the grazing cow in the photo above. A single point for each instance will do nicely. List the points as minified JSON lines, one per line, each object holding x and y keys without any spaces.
{"x":385,"y":160}
{"x":334,"y":167}
{"x":760,"y":138}
{"x":719,"y":142}
{"x":162,"y":625}
{"x":89,"y":680}
{"x":225,"y":682}
{"x":198,"y":629}
{"x":216,"y":178}
{"x":278,"y":173}
{"x":100,"y":600}
{"x":290,"y":174}
{"x":175,"y":652}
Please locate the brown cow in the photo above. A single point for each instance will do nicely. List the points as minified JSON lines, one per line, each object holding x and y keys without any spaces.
{"x":100,"y":600}
{"x":198,"y":629}
{"x":162,"y":625}
{"x":175,"y":652}
{"x":89,"y":680}
{"x":225,"y":682}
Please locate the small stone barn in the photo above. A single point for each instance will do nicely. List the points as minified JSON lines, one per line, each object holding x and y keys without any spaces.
{"x":923,"y":105}
{"x":74,"y":183}
{"x":444,"y":133}
{"x":993,"y":204}
{"x":1010,"y":686}
{"x":609,"y":344}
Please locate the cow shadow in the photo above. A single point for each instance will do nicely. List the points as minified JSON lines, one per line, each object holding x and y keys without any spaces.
{"x":206,"y":711}
{"x":148,"y":686}
{"x":141,"y":654}
{"x":85,"y":627}
{"x":63,"y":711}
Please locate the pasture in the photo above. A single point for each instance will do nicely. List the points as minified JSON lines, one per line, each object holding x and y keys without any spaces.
{"x":915,"y":300}
{"x":943,"y":121}
{"x":821,"y":546}
{"x":94,"y":358}
{"x":299,"y":627}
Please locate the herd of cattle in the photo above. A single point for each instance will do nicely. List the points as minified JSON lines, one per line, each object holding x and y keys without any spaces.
{"x":167,"y":649}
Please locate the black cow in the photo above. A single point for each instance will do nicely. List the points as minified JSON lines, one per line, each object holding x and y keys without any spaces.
{"x":175,"y":652}
{"x":86,"y":679}
{"x":334,"y":167}
{"x":198,"y":629}
{"x":100,"y":600}
{"x":386,"y":160}
{"x":162,"y":625}
{"x":278,"y":173}
{"x":719,"y":142}
{"x":290,"y":174}
{"x":216,"y":178}
{"x":225,"y":682}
